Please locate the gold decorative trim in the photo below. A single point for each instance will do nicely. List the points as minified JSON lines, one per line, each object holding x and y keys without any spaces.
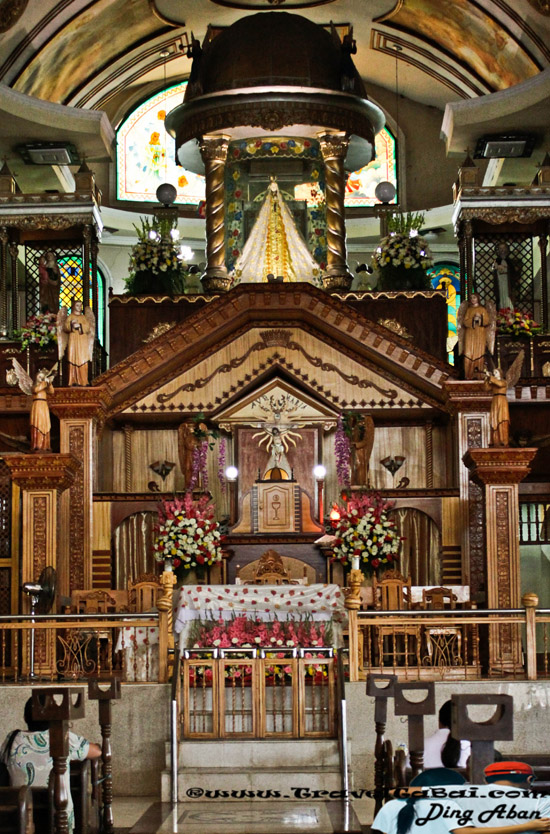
{"x":160,"y":299}
{"x":510,"y":214}
{"x":392,"y":13}
{"x":159,"y":330}
{"x":395,"y":327}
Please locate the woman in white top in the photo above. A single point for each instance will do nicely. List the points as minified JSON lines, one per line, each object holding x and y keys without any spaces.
{"x":416,"y":815}
{"x":441,"y":749}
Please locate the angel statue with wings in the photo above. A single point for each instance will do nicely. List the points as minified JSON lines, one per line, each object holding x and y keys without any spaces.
{"x":76,"y":334}
{"x":40,"y":413}
{"x":499,"y":417}
{"x":476,"y":330}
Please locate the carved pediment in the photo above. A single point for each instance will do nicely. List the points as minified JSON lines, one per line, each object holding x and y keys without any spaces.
{"x":276,"y":397}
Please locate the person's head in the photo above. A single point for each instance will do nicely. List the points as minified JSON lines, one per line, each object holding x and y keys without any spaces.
{"x":475,"y":300}
{"x":428,"y":778}
{"x":503,"y":250}
{"x":77,"y":306}
{"x":450,"y":752}
{"x":519,"y":774}
{"x":32,"y":725}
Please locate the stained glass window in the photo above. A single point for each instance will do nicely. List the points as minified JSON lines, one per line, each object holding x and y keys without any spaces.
{"x":146,"y":153}
{"x":71,"y":289}
{"x":361,"y":184}
{"x":446,"y":276}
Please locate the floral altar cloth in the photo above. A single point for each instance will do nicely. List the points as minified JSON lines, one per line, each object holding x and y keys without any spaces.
{"x":259,"y":603}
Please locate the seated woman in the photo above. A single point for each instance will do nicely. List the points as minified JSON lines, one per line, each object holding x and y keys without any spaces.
{"x":416,"y":814}
{"x":441,"y":749}
{"x":28,"y":758}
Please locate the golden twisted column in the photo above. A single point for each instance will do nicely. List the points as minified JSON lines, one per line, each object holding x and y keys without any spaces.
{"x":214,"y":153}
{"x":334,"y":146}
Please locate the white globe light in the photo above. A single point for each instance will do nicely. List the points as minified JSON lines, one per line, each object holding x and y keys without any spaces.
{"x":320,"y":472}
{"x":186,"y":253}
{"x":385,"y":192}
{"x":153,"y":235}
{"x":231,"y":473}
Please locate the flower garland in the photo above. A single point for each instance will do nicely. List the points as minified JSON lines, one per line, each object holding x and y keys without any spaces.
{"x":38,"y":330}
{"x":516,"y":323}
{"x":245,"y":633}
{"x":365,"y":530}
{"x":222,"y":455}
{"x":342,"y":452}
{"x":188,"y":534}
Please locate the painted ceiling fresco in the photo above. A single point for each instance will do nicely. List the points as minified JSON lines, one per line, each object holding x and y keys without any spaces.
{"x":88,"y":42}
{"x":470,"y":34}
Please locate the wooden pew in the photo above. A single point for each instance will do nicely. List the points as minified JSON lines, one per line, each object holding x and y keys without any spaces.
{"x":16,"y":810}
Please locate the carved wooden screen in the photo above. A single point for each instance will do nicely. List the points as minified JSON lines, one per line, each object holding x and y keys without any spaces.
{"x":521,"y":254}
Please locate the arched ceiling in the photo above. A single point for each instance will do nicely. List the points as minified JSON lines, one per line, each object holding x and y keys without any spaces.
{"x":105,"y":54}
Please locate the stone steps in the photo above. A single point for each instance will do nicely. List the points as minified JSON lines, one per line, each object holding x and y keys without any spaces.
{"x":281,"y":766}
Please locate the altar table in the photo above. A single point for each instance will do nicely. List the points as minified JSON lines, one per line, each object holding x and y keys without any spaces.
{"x":260,"y":602}
{"x":141,"y":652}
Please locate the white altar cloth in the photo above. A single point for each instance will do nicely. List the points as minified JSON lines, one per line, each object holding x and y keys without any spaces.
{"x":140,"y":647}
{"x":259,"y":602}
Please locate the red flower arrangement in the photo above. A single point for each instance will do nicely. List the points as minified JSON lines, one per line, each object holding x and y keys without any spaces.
{"x":365,"y":530}
{"x":188,"y":534}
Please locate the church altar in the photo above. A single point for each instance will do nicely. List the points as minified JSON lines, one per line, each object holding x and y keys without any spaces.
{"x":260,"y":603}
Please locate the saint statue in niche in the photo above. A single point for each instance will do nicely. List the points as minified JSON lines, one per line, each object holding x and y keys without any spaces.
{"x":49,"y":275}
{"x":275,"y":247}
{"x":506,"y":277}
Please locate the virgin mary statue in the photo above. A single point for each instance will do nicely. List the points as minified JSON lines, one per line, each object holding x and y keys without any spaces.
{"x":275,"y":247}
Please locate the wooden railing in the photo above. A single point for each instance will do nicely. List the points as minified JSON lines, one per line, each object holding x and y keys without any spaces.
{"x":257,"y":694}
{"x":452,"y":644}
{"x":77,"y":647}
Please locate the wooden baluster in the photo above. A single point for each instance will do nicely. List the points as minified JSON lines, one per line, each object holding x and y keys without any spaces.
{"x":45,"y":708}
{"x":105,"y":696}
{"x":381,"y":695}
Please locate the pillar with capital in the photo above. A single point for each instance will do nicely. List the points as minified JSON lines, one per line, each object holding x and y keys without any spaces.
{"x":498,"y":471}
{"x":42,"y":479}
{"x":214,"y":153}
{"x":80,"y":411}
{"x":470,"y":401}
{"x":334,"y":146}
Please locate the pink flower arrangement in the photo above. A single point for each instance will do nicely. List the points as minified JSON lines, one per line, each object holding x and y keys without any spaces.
{"x":38,"y":330}
{"x":188,"y":534}
{"x":365,"y":530}
{"x":516,"y":323}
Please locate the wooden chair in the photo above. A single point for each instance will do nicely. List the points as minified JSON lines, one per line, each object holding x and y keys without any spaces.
{"x":443,"y":643}
{"x":395,"y":642}
{"x":392,"y":592}
{"x":98,"y":601}
{"x":271,"y":571}
{"x":144,"y":593}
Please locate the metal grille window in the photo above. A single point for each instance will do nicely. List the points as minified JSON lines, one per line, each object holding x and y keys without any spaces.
{"x":534,"y":525}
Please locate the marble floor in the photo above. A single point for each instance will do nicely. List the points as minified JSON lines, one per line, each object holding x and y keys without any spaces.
{"x":135,"y":815}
